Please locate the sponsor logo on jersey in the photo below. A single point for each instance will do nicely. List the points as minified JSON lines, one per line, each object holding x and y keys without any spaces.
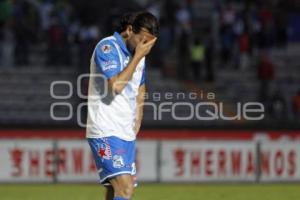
{"x":109,"y":65}
{"x":106,"y":48}
{"x":118,"y":161}
{"x":121,"y":151}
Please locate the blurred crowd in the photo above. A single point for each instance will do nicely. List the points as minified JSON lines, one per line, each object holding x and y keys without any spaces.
{"x":26,"y":25}
{"x":50,"y":32}
{"x":233,"y":31}
{"x":204,"y":37}
{"x":197,"y":37}
{"x":186,"y":33}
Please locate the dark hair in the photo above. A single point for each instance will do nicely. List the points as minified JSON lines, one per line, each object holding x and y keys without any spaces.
{"x":139,"y":20}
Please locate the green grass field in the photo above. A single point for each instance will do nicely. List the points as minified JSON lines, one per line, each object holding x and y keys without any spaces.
{"x":155,"y":192}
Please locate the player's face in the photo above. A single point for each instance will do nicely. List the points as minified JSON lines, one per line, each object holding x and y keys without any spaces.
{"x":138,"y":37}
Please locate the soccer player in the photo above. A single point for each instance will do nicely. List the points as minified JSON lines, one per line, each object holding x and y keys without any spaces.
{"x":116,"y":96}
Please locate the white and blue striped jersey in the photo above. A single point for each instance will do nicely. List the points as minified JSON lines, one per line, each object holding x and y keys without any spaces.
{"x":112,"y":115}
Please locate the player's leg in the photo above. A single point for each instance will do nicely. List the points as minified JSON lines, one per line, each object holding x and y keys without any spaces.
{"x":109,"y":195}
{"x":123,"y":186}
{"x":115,"y":160}
{"x":98,"y":149}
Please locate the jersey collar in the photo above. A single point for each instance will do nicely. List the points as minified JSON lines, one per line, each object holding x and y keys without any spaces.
{"x":121,"y":43}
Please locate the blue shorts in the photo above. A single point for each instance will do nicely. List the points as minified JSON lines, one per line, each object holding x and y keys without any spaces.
{"x":113,"y":156}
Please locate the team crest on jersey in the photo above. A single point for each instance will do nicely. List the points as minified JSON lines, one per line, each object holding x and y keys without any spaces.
{"x":118,"y":161}
{"x":104,"y":151}
{"x":106,"y":48}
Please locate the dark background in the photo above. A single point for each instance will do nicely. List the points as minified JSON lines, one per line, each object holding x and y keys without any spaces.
{"x":242,"y":51}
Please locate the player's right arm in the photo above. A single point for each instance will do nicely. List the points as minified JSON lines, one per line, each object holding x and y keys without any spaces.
{"x":117,"y":79}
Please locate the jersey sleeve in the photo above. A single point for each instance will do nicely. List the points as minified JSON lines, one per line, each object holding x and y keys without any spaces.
{"x":143,"y":76}
{"x":107,"y":59}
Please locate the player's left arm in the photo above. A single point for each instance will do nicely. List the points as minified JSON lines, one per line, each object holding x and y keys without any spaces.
{"x":140,"y":107}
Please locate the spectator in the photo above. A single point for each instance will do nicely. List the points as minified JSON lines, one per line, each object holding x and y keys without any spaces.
{"x":5,"y":39}
{"x":164,"y":45}
{"x":244,"y":46}
{"x":278,"y":107}
{"x":57,"y":42}
{"x":169,"y":8}
{"x":197,"y":58}
{"x":267,"y":33}
{"x":155,"y":8}
{"x":183,"y":17}
{"x":255,"y":27}
{"x":227,"y":42}
{"x":228,"y":17}
{"x":265,"y":76}
{"x":23,"y":27}
{"x":45,"y":9}
{"x":296,"y":105}
{"x":209,"y":52}
{"x":183,"y":55}
{"x":88,"y":38}
{"x":281,"y":21}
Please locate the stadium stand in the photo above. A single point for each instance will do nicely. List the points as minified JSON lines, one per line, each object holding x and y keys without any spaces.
{"x":25,"y":88}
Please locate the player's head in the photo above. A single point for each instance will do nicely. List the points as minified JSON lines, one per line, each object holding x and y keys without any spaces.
{"x":134,"y":26}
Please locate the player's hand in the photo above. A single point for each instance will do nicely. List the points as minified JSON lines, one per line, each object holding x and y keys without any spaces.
{"x":144,"y":47}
